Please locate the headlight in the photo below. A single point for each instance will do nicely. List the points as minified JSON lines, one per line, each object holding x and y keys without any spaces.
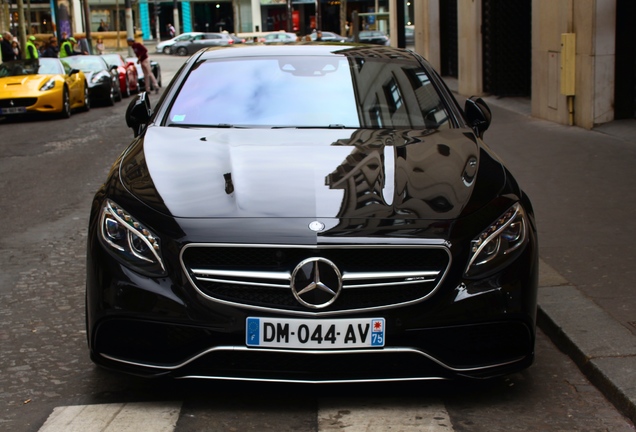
{"x":98,"y":77}
{"x":130,"y":241}
{"x":48,"y":85}
{"x":500,"y":243}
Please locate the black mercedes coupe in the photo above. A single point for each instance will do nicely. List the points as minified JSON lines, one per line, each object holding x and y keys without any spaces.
{"x":310,"y":213}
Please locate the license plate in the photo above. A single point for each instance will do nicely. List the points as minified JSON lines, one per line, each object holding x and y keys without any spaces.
{"x":315,"y":334}
{"x":14,"y":110}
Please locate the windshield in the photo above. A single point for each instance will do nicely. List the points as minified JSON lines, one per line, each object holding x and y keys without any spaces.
{"x":308,"y":91}
{"x":86,"y":63}
{"x":31,"y":67}
{"x":113,"y":60}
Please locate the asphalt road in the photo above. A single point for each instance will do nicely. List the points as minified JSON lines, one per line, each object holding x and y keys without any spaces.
{"x":49,"y":171}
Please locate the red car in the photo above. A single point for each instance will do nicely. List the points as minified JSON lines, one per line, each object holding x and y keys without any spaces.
{"x":128,"y":82}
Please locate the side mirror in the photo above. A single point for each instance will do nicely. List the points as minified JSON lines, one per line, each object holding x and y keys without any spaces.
{"x":478,"y":115}
{"x":73,"y":72}
{"x":138,"y":113}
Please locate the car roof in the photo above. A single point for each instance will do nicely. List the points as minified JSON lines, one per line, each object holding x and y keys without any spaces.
{"x":311,"y":49}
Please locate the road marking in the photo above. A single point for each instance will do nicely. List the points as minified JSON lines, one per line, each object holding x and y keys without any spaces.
{"x":380,"y":415}
{"x":122,"y":417}
{"x":342,"y":415}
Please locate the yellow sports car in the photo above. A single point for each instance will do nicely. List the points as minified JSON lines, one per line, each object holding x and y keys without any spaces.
{"x":45,"y":85}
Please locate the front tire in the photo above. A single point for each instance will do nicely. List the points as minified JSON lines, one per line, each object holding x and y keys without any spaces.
{"x":166,"y":50}
{"x":66,"y":104}
{"x":87,"y":99}
{"x":111,"y":97}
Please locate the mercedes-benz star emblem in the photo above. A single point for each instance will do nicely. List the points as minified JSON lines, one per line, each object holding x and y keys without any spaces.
{"x":316,"y":226}
{"x":316,"y":283}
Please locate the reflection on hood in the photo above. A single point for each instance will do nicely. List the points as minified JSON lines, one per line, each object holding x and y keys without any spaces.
{"x":366,"y":174}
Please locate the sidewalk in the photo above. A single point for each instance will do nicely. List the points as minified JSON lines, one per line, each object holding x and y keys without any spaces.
{"x":581,"y":183}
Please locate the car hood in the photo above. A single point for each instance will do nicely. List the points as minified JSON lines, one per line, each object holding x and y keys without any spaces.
{"x":23,"y":83}
{"x":326,"y":173}
{"x":89,"y":78}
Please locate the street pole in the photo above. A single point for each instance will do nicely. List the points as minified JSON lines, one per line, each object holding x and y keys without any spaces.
{"x":28,"y":19}
{"x":21,"y":29}
{"x":236,"y":9}
{"x":318,"y":16}
{"x":157,"y":28}
{"x":289,"y":15}
{"x":343,"y":18}
{"x":117,"y":24}
{"x":355,"y":26}
{"x":130,"y":31}
{"x":175,"y":17}
{"x":55,"y":18}
{"x":87,"y":25}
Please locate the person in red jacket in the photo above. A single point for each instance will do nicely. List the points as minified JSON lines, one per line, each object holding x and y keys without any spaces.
{"x":142,"y":58}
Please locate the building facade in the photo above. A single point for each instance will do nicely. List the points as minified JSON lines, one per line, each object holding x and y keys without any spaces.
{"x":497,"y":47}
{"x":517,"y":48}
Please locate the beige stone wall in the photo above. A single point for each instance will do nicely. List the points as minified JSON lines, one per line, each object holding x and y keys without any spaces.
{"x":593,"y":22}
{"x":427,"y":36}
{"x":470,"y":70}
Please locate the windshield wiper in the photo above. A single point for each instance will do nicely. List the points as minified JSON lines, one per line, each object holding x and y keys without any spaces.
{"x":331,"y":126}
{"x":220,"y":125}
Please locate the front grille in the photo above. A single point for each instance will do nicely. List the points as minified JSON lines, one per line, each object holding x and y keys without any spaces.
{"x":260,"y":276}
{"x":17,"y":102}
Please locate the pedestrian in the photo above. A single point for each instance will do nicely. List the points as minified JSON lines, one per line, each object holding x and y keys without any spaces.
{"x":17,"y":51}
{"x":51,"y":50}
{"x":66,"y":49}
{"x":171,"y":30}
{"x":102,"y":26}
{"x":142,"y":58}
{"x":31,"y":50}
{"x":7,"y":48}
{"x":82,"y":47}
{"x":100,"y":46}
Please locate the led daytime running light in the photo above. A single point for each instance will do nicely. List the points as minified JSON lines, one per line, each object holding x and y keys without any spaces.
{"x":135,"y":228}
{"x":493,"y":231}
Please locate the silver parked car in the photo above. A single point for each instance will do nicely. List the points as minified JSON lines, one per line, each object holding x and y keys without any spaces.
{"x":165,"y":46}
{"x":203,"y":40}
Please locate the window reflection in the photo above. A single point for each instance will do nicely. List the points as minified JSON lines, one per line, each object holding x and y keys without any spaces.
{"x":312,"y":91}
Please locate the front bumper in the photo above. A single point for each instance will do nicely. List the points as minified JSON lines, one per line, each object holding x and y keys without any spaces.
{"x":100,"y":91}
{"x":41,"y":102}
{"x":164,"y":326}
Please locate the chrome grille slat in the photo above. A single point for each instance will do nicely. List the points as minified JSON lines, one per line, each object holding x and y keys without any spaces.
{"x":259,"y":276}
{"x":385,"y":284}
{"x":237,"y":282}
